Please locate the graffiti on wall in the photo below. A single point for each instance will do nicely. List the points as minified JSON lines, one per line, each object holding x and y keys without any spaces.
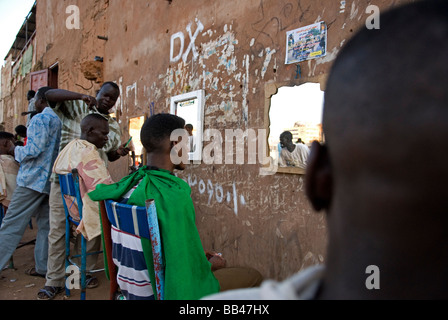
{"x":191,"y":47}
{"x":217,"y":193}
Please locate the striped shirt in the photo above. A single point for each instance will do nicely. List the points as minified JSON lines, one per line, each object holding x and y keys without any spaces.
{"x":72,"y":112}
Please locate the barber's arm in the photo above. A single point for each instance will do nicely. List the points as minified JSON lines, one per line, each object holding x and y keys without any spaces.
{"x":60,"y":95}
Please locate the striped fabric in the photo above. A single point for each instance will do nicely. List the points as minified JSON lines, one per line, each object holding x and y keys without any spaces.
{"x":132,"y":221}
{"x":133,"y":276}
{"x":127,"y":252}
{"x":72,"y":112}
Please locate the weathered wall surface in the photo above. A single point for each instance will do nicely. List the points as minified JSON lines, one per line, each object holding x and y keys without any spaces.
{"x":233,"y":50}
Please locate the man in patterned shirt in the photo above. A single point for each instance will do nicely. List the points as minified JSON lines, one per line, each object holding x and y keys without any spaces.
{"x":72,"y":107}
{"x":33,"y":185}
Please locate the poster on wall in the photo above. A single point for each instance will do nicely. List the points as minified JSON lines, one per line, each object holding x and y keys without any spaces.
{"x":306,"y":43}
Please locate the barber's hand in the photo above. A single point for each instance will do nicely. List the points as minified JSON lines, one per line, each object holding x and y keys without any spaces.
{"x":122,"y":151}
{"x":89,"y":100}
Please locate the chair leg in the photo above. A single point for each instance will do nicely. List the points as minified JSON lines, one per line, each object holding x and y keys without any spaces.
{"x":11,"y":263}
{"x":67,"y":255}
{"x":83,"y":267}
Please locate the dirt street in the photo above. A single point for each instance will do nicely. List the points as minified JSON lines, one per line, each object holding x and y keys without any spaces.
{"x":16,"y":285}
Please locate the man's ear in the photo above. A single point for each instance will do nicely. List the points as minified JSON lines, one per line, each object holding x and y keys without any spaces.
{"x":6,"y":143}
{"x":90,"y":130}
{"x":319,"y":177}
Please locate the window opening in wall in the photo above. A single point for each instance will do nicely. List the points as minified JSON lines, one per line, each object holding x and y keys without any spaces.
{"x":297,"y":109}
{"x":190,"y":107}
{"x":137,"y":153}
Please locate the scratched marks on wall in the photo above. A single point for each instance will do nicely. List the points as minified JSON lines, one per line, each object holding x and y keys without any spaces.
{"x":217,"y":193}
{"x":211,"y":62}
{"x":230,"y":66}
{"x":272,"y":204}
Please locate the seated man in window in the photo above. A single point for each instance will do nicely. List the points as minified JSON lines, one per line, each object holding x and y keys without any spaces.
{"x":292,"y":155}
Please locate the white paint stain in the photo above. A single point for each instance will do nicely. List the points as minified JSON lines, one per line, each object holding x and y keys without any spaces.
{"x":354,"y":11}
{"x":267,"y":60}
{"x":246,"y":77}
{"x":130,"y":88}
{"x":329,"y":57}
{"x":342,"y":7}
{"x":278,"y":233}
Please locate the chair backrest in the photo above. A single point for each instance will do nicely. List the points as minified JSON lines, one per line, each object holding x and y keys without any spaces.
{"x":69,"y":184}
{"x":127,"y":218}
{"x":142,"y":222}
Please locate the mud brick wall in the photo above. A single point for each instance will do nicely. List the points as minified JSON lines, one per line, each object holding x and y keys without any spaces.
{"x":235,"y":51}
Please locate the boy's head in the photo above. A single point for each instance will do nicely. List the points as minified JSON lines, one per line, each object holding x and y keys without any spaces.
{"x":95,"y":129}
{"x":6,"y":142}
{"x":107,"y":96}
{"x":21,"y":130}
{"x":30,"y":94}
{"x":156,"y":132}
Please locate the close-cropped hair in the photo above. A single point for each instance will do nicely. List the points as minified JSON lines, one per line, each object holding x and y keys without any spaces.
{"x":40,"y":94}
{"x":6,"y":135}
{"x":159,"y":127}
{"x":113,"y":84}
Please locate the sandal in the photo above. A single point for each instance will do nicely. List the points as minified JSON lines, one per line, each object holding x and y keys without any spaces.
{"x":32,"y":272}
{"x":48,"y":293}
{"x":91,"y":282}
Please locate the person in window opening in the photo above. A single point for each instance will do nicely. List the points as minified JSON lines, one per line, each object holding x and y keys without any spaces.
{"x":191,"y":138}
{"x":292,"y":155}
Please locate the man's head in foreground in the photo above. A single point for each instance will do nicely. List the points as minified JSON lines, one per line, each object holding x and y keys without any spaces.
{"x":382,"y":174}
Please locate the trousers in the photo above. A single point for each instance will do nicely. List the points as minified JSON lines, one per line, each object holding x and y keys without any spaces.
{"x":231,"y":278}
{"x":24,"y":204}
{"x":56,"y":241}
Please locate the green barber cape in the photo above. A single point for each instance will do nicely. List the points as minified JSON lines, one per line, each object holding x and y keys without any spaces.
{"x":188,"y":274}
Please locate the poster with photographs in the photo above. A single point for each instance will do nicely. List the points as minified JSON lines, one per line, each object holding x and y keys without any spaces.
{"x":306,"y":43}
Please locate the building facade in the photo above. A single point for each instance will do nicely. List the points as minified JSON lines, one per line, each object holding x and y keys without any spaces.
{"x":234,"y":53}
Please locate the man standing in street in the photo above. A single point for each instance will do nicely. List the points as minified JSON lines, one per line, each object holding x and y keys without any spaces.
{"x":33,"y":185}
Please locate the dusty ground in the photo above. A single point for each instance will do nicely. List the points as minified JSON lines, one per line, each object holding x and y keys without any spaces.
{"x":16,"y":285}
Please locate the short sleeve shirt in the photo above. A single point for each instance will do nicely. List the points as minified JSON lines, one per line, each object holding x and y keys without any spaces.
{"x":72,"y":112}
